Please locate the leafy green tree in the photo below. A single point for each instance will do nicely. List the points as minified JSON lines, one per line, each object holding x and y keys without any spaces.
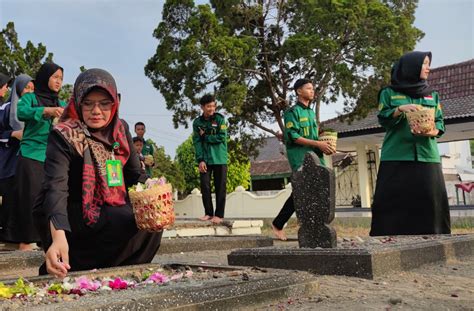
{"x":66,"y":92}
{"x":15,"y":59}
{"x":251,"y":51}
{"x":238,"y":167}
{"x":166,"y":167}
{"x":185,"y":158}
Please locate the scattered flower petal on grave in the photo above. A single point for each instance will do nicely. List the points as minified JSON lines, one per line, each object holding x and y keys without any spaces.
{"x":176,"y":276}
{"x":83,"y":282}
{"x":158,"y":278}
{"x":118,"y":284}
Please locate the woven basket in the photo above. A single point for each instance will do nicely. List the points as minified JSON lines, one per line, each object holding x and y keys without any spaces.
{"x":330,"y":137}
{"x":153,"y":208}
{"x":422,"y":119}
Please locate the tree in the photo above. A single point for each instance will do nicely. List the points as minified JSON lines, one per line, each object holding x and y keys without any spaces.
{"x":238,"y":166}
{"x":66,"y":92}
{"x":14,"y":59}
{"x":166,"y":167}
{"x":251,"y":51}
{"x":187,"y":164}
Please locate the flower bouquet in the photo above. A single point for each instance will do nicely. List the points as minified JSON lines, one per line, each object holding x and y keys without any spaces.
{"x":152,"y":204}
{"x":148,"y":159}
{"x":421,"y":120}
{"x":330,"y":137}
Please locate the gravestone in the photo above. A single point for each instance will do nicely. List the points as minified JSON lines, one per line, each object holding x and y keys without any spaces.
{"x":314,"y":195}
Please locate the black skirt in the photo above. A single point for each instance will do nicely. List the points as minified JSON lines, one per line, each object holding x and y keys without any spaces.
{"x":410,"y":198}
{"x":7,"y":192}
{"x":28,"y":179}
{"x":113,"y":241}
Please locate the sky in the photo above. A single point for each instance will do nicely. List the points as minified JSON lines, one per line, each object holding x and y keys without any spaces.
{"x":117,"y":35}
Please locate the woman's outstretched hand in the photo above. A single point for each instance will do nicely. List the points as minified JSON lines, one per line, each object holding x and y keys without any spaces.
{"x":57,"y":256}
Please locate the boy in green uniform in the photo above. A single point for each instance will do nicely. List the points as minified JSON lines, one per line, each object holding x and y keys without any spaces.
{"x":147,"y":150}
{"x":210,"y":145}
{"x":301,"y":136}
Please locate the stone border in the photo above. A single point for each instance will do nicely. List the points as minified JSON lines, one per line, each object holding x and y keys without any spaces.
{"x":362,"y":263}
{"x":212,"y":243}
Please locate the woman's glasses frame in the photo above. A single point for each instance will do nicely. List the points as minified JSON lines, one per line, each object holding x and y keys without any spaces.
{"x":104,"y":105}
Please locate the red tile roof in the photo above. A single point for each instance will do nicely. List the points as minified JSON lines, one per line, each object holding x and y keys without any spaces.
{"x":453,"y":81}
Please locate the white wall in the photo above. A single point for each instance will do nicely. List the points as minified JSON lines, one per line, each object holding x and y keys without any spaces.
{"x":455,"y":154}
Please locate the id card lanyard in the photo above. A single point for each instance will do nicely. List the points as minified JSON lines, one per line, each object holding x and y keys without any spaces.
{"x":113,"y":169}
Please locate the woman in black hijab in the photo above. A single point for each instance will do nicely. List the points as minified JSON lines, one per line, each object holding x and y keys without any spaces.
{"x":37,"y":110}
{"x":410,"y":196}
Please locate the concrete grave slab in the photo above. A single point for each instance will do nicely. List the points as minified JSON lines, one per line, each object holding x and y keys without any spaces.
{"x":373,"y":259}
{"x":232,"y":288}
{"x":16,"y":263}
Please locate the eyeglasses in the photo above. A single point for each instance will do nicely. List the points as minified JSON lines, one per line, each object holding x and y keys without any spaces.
{"x":104,"y":105}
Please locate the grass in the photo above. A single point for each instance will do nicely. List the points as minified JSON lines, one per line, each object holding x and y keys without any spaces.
{"x":360,"y":226}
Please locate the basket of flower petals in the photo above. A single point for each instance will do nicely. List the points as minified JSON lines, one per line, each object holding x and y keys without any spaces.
{"x":422,"y":120}
{"x":330,"y":137}
{"x":153,"y":204}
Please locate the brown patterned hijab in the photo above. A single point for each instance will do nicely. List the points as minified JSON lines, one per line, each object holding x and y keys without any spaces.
{"x":95,"y":145}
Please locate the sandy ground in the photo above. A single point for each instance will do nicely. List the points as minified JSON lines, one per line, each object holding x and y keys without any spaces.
{"x":433,"y":287}
{"x":447,"y":286}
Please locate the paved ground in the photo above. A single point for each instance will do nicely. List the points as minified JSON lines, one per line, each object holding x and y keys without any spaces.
{"x":447,"y":286}
{"x":433,"y":287}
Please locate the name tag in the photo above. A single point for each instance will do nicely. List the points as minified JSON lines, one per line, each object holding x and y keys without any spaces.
{"x":398,"y":97}
{"x":113,"y":168}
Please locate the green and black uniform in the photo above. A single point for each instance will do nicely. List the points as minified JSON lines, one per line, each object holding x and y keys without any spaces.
{"x":399,"y":143}
{"x":37,"y":127}
{"x":211,"y":147}
{"x":29,"y":170}
{"x":300,"y":121}
{"x":410,"y":196}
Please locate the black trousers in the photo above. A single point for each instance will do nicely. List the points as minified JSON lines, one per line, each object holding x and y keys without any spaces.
{"x":285,"y":213}
{"x":28,"y":181}
{"x":220,"y":180}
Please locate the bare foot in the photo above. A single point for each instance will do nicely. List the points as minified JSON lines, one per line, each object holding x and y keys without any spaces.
{"x":25,"y":247}
{"x":205,"y":218}
{"x":280,"y":234}
{"x":216,"y":220}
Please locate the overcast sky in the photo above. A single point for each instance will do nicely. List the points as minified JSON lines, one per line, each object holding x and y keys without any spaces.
{"x":117,"y":35}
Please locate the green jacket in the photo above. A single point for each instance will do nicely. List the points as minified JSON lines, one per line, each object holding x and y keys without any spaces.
{"x":399,"y":143}
{"x":300,"y":121}
{"x":148,"y":150}
{"x":37,"y":127}
{"x":212,"y":146}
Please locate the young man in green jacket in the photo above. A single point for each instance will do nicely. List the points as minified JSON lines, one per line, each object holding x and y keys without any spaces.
{"x":147,"y":150}
{"x":210,"y":145}
{"x":301,"y":136}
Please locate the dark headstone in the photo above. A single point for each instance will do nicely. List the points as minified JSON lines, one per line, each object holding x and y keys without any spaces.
{"x":314,"y":194}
